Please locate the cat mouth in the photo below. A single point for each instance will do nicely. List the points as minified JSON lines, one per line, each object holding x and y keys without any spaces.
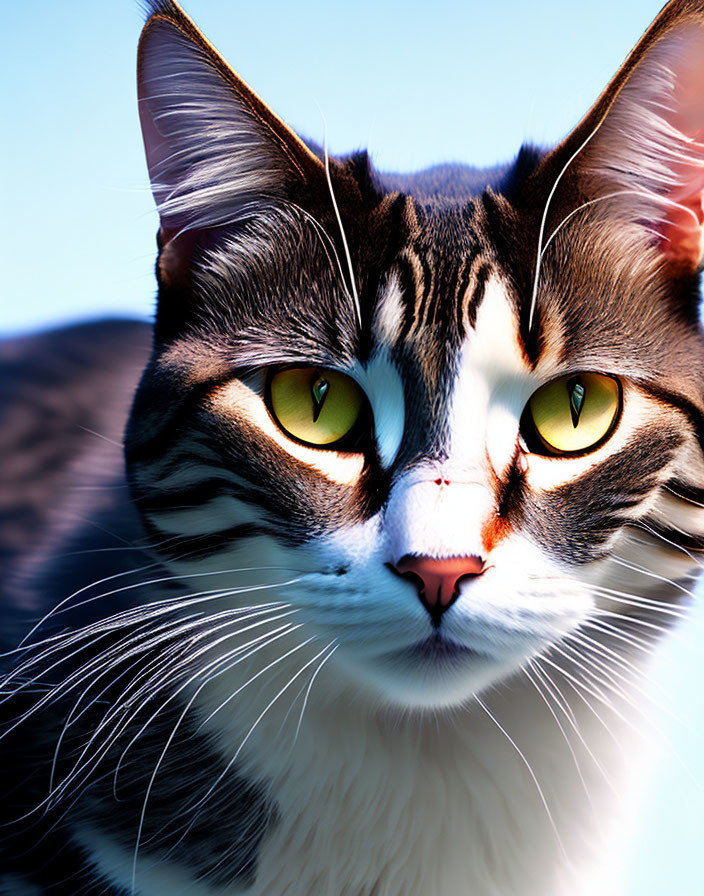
{"x":438,"y":648}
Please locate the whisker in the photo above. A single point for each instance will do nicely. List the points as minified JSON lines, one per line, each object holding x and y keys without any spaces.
{"x":190,"y":655}
{"x":543,"y":220}
{"x":564,"y":736}
{"x":642,"y":570}
{"x":165,"y":682}
{"x":345,"y":245}
{"x":310,"y":685}
{"x":563,"y":704}
{"x":530,"y":772}
{"x":155,"y":772}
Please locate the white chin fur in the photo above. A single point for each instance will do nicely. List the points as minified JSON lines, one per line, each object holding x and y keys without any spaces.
{"x":415,"y":685}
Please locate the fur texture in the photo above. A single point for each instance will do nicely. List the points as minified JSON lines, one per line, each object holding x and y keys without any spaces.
{"x":223,"y":685}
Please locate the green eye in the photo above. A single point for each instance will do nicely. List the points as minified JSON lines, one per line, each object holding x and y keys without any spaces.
{"x":314,"y":405}
{"x":575,"y":413}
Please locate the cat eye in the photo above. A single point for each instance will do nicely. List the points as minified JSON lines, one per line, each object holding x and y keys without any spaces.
{"x":573,"y":414}
{"x":315,"y":406}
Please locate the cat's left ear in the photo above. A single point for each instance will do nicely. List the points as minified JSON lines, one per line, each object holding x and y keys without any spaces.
{"x":215,"y":152}
{"x":639,"y":152}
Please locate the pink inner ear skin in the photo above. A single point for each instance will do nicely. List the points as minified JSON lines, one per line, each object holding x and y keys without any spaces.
{"x":682,"y":234}
{"x":682,"y":227}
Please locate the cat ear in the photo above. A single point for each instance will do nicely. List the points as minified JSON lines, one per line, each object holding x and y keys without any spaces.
{"x":215,"y":152}
{"x":640,"y":150}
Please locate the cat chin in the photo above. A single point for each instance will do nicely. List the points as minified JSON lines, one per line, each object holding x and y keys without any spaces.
{"x":432,"y":676}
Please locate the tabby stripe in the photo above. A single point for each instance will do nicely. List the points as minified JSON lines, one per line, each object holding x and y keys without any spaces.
{"x":688,"y":408}
{"x":144,"y":447}
{"x":451,"y":286}
{"x":197,"y":495}
{"x":532,"y":340}
{"x":462,"y":287}
{"x":407,"y":283}
{"x":597,"y":501}
{"x":686,"y":541}
{"x":181,"y":455}
{"x":427,"y":287}
{"x":690,"y":493}
{"x":208,"y":544}
{"x":478,"y":294}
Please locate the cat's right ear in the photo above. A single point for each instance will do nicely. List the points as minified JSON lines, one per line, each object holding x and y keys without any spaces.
{"x":216,"y":153}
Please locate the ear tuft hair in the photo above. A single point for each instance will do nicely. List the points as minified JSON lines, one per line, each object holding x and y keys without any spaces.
{"x":649,"y":149}
{"x":215,"y":152}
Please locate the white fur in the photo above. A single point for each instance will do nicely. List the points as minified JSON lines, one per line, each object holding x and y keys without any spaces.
{"x":436,"y":807}
{"x":492,"y":386}
{"x":384,"y":388}
{"x":389,"y":313}
{"x":381,"y":761}
{"x":438,"y":520}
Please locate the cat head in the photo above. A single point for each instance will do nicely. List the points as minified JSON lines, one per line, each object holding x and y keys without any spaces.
{"x":452,"y":423}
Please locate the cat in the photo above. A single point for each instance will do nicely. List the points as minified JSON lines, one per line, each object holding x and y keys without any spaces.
{"x":412,"y":486}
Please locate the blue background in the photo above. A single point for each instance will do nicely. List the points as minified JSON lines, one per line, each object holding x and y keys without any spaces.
{"x":468,"y":82}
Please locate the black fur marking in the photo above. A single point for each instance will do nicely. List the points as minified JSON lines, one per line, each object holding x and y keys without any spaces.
{"x":478,"y":293}
{"x":687,"y":407}
{"x":526,"y":163}
{"x":462,"y":286}
{"x":679,"y":539}
{"x":690,"y":493}
{"x":427,"y":285}
{"x":195,"y":495}
{"x":198,"y":547}
{"x":218,"y":841}
{"x":574,"y":522}
{"x":408,"y":292}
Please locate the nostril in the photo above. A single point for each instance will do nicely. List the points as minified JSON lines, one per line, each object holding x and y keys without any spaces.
{"x":438,"y":578}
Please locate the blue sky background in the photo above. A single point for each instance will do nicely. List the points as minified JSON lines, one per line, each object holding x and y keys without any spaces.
{"x":468,"y":82}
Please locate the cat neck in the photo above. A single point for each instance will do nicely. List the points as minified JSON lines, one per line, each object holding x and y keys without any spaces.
{"x":489,"y":798}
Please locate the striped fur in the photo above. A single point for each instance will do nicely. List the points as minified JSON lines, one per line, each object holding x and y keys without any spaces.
{"x":234,"y":693}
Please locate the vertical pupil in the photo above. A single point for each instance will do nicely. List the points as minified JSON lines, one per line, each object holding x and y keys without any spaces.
{"x":577,"y":393}
{"x":319,"y":392}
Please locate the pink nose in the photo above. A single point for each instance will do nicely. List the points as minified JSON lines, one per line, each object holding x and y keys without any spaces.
{"x":438,"y":578}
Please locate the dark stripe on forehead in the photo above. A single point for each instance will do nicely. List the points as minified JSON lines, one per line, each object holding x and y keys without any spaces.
{"x":462,"y":286}
{"x":407,"y":283}
{"x":446,"y":300}
{"x":509,"y":239}
{"x":427,"y":287}
{"x":448,"y":278}
{"x":475,"y":299}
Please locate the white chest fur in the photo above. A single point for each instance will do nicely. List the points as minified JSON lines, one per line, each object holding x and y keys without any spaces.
{"x":369,"y":805}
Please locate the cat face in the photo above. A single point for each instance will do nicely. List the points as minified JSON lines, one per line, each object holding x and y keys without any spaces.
{"x":451,"y":429}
